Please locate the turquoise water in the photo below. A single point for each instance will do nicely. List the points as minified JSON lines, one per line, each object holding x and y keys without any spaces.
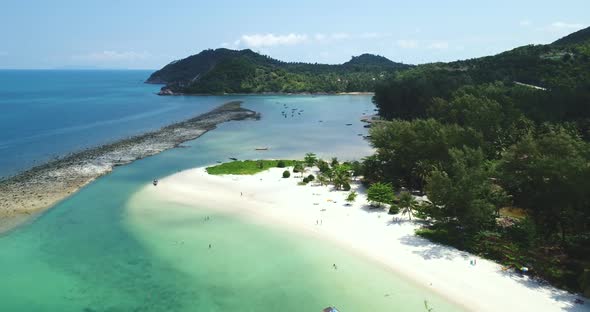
{"x":92,"y":252}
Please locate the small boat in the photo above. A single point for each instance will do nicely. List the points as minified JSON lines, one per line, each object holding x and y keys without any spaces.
{"x":330,"y":309}
{"x":261,"y":148}
{"x":349,"y":124}
{"x":155,"y":182}
{"x":367,"y":126}
{"x":233,"y":158}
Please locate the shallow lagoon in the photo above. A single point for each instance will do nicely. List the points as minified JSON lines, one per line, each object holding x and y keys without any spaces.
{"x":104,"y":250}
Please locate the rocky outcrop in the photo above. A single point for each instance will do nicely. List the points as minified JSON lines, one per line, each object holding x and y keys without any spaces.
{"x":39,"y":188}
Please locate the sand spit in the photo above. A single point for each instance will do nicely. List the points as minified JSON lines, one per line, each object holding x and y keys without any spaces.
{"x":388,"y":240}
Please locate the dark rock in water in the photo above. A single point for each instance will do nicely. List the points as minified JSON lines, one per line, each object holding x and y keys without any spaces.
{"x":166,"y":91}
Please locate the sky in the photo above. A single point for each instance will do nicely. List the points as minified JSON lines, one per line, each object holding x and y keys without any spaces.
{"x":132,"y":34}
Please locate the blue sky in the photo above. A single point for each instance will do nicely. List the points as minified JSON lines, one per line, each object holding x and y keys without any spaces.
{"x":149,"y":34}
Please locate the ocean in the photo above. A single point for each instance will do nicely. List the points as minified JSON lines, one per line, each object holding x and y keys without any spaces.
{"x":89,"y":253}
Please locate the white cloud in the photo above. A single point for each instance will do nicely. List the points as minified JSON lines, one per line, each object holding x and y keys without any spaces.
{"x":273,"y":40}
{"x":320,"y":37}
{"x":108,"y":56}
{"x":269,"y":40}
{"x":323,"y":38}
{"x":525,"y":23}
{"x":563,"y":25}
{"x":407,"y":44}
{"x":339,"y":36}
{"x":439,"y":45}
{"x":374,"y":35}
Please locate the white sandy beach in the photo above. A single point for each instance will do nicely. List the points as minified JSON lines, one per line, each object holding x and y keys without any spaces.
{"x":387,"y":240}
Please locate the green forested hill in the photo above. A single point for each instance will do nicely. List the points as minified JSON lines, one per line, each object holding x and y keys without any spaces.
{"x":578,"y":37}
{"x":244,"y":71}
{"x":562,"y":69}
{"x":501,"y":146}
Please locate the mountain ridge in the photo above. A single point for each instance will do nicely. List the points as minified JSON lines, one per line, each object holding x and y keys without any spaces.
{"x":245,"y":71}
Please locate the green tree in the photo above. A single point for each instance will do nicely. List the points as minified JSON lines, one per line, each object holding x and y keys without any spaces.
{"x":548,"y":175}
{"x":323,"y":180}
{"x":310,"y":159}
{"x":323,"y":166}
{"x":379,"y":194}
{"x":403,"y":147}
{"x":465,"y":192}
{"x":341,"y":176}
{"x":351,"y":197}
{"x":334,"y":162}
{"x":286,"y":174}
{"x":407,"y":203}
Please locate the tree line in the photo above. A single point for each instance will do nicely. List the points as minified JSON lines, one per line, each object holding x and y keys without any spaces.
{"x":506,"y":166}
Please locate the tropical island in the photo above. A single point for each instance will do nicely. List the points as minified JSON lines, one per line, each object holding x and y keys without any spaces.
{"x":330,"y":200}
{"x":499,"y":145}
{"x":223,"y":71}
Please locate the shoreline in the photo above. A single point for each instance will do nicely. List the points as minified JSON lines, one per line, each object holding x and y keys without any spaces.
{"x":27,"y":194}
{"x":373,"y":234}
{"x":168,"y":92}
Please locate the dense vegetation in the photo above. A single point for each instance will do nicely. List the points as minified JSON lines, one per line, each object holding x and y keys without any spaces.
{"x":485,"y":135}
{"x":248,"y":167}
{"x":228,"y":71}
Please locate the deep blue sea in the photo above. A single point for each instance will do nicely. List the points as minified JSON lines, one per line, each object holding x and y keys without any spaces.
{"x":49,"y":113}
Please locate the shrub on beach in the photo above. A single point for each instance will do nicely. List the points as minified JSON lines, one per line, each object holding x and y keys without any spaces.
{"x":346,"y":186}
{"x":286,"y":174}
{"x":298,"y":168}
{"x":281,"y":164}
{"x":394,"y":209}
{"x":305,"y":180}
{"x":310,"y":177}
{"x":380,"y":193}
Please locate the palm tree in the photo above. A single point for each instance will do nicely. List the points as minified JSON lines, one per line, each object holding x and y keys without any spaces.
{"x":322,"y":179}
{"x":310,"y":159}
{"x":341,"y":176}
{"x":407,"y":203}
{"x":351,"y":198}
